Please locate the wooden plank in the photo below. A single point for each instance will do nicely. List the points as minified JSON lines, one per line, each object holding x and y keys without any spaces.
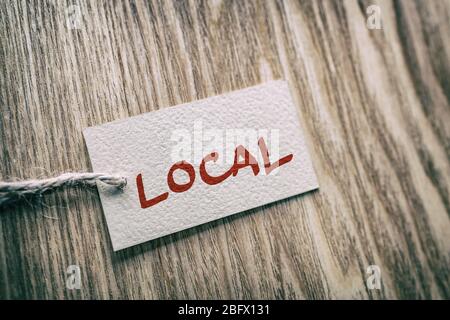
{"x":374,"y":105}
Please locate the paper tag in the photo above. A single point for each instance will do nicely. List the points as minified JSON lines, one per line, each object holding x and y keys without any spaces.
{"x":200,"y":161}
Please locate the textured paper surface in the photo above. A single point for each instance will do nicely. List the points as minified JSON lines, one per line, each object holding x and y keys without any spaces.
{"x":145,"y":145}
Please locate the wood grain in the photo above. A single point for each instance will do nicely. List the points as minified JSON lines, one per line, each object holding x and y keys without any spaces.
{"x":374,"y":105}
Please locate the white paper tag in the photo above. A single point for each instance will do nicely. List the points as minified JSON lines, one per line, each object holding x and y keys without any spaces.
{"x":200,"y":161}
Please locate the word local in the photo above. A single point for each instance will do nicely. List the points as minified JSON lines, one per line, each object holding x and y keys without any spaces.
{"x":239,"y":152}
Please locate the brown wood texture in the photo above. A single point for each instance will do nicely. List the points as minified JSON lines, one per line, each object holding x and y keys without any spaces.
{"x":374,"y":106}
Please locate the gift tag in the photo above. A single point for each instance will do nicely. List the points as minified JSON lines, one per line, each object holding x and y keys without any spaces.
{"x":200,"y":161}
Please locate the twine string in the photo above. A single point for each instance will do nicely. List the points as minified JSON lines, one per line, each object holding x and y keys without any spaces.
{"x":16,"y":189}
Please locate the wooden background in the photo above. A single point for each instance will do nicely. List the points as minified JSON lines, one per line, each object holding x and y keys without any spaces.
{"x":374,"y":105}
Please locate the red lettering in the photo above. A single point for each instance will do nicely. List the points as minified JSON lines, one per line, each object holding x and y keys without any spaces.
{"x":142,"y":199}
{"x":187,"y":167}
{"x":249,"y":160}
{"x":239,"y":152}
{"x":265,"y":154}
{"x":208,"y":179}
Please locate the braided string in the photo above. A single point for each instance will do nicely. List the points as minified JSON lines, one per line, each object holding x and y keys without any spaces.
{"x":12,"y":190}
